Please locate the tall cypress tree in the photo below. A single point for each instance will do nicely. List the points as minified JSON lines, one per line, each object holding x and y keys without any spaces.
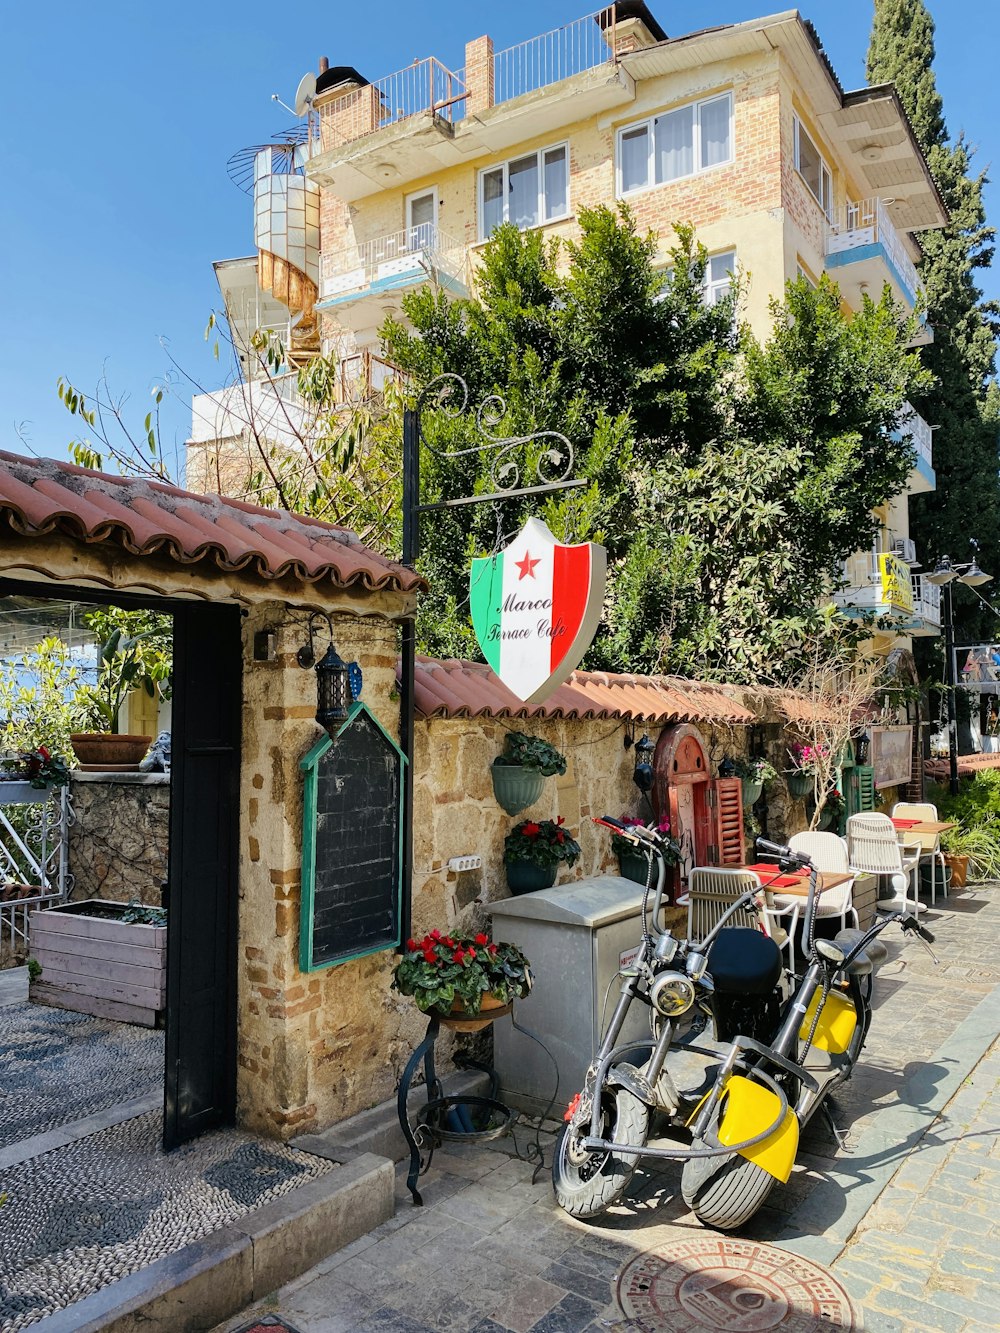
{"x":964,"y":404}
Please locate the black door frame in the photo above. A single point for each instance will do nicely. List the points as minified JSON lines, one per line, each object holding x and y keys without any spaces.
{"x":181,"y":1122}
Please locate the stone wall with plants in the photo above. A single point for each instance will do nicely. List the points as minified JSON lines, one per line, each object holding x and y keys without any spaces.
{"x":119,"y":839}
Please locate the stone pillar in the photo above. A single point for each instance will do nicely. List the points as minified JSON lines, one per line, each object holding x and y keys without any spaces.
{"x":479,"y":75}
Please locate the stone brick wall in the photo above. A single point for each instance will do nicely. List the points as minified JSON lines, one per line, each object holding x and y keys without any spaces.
{"x":119,"y":840}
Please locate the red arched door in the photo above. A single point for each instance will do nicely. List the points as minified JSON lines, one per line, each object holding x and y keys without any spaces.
{"x":706,"y":814}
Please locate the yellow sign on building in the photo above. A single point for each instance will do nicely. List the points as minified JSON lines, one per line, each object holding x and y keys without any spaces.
{"x":897,"y":590}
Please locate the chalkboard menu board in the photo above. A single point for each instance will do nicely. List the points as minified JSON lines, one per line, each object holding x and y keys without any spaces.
{"x":351,"y":844}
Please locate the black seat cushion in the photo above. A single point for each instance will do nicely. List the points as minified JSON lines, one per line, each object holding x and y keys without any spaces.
{"x":872,"y":956}
{"x":744,"y":961}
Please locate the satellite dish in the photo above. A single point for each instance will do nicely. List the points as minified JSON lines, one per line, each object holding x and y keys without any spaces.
{"x":305,"y":93}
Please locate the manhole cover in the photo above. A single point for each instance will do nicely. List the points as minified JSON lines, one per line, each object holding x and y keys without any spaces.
{"x":716,"y":1285}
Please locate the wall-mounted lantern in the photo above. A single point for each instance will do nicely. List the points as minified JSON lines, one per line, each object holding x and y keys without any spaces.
{"x":642,"y":774}
{"x":332,"y":685}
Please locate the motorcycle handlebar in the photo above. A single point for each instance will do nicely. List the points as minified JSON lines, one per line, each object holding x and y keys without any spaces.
{"x":909,"y":923}
{"x":782,"y":853}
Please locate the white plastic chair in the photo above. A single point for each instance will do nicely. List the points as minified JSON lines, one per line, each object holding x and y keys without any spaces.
{"x":874,"y":849}
{"x":828,"y":852}
{"x":712,"y":890}
{"x":930,"y":843}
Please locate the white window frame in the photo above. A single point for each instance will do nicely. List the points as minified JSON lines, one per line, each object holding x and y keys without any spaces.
{"x":540,"y":155}
{"x":409,"y":200}
{"x":709,"y":287}
{"x":649,"y":123}
{"x":825,"y":170}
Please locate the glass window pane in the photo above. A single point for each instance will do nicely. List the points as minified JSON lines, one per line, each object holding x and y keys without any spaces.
{"x":635,"y":159}
{"x":421,"y":219}
{"x":522,"y":206}
{"x":718,"y":276}
{"x":673,"y":137}
{"x":556,"y":184}
{"x":714,"y":120}
{"x":810,"y":164}
{"x":492,"y":200}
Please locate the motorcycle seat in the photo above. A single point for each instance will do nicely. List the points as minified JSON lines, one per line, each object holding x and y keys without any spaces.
{"x":870,"y":959}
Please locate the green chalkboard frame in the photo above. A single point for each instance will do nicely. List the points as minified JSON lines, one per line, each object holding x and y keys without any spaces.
{"x":310,"y":766}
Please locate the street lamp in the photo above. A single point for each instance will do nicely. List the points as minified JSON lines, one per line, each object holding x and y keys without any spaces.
{"x":944,"y":575}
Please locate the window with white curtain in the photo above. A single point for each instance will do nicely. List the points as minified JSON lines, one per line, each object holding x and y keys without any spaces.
{"x":526,"y":190}
{"x":719,"y":276}
{"x":813,"y":170}
{"x":677,"y":143}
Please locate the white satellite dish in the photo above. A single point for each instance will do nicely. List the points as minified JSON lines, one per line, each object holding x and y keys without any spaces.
{"x":305,"y":93}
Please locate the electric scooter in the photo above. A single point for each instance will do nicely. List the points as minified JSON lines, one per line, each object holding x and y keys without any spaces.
{"x":740,"y":1055}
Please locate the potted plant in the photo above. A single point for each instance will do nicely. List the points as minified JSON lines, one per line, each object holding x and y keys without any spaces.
{"x":834,"y":809}
{"x":632,"y":863}
{"x":801,"y":777}
{"x":466,"y":981}
{"x":519,"y":773}
{"x":533,"y":852}
{"x":135,"y":654}
{"x":753,"y":772}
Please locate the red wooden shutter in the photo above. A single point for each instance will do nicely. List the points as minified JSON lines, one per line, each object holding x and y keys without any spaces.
{"x":729,"y":821}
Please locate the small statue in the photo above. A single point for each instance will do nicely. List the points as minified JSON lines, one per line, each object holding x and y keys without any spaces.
{"x":157,"y":758}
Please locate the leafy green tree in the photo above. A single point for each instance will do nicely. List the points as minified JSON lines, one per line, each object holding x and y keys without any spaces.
{"x":726,"y":479}
{"x":962,"y":401}
{"x":37,"y":700}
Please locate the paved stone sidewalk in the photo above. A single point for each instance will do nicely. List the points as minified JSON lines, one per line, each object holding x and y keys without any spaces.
{"x":491,"y":1253}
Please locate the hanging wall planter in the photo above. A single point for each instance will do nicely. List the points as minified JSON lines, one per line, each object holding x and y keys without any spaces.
{"x":515,"y":787}
{"x":751,"y":792}
{"x":519,"y":773}
{"x":523,"y":877}
{"x":800,"y":784}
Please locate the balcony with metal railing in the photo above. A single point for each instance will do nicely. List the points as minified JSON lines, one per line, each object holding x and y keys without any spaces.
{"x":881,"y":584}
{"x":385,"y":132}
{"x":864,"y":250}
{"x":361,"y":283}
{"x":922,"y":478}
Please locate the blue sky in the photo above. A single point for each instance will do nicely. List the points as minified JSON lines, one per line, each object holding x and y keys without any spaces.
{"x":120,"y":118}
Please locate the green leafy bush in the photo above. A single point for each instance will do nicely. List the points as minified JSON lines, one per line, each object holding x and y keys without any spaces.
{"x":534,"y":753}
{"x":976,"y":810}
{"x":544,"y":843}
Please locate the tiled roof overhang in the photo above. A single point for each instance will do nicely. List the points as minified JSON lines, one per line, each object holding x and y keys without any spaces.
{"x":146,"y":518}
{"x":452,"y":689}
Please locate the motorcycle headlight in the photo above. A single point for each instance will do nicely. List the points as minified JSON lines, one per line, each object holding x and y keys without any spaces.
{"x":672,"y":994}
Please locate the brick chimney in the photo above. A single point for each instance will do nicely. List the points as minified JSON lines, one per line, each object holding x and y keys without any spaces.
{"x":479,"y":75}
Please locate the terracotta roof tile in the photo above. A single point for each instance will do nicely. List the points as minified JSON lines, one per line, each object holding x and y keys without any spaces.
{"x":471,"y":689}
{"x":42,"y":495}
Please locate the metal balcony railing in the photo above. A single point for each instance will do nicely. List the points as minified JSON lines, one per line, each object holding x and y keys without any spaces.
{"x":425,"y":86}
{"x":424,"y":247}
{"x":34,"y":872}
{"x":926,"y":601}
{"x":868,"y":221}
{"x":912,"y":424}
{"x":581,"y":45}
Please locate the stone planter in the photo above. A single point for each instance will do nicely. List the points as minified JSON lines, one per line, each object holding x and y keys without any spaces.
{"x":99,"y":965}
{"x":524,"y":877}
{"x":100,"y":751}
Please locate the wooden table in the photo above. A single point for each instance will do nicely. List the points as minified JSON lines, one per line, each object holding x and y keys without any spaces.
{"x":825,"y":880}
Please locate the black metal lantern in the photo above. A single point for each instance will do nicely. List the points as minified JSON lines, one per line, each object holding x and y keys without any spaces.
{"x":727,"y":769}
{"x":642,"y":774}
{"x":333,"y":692}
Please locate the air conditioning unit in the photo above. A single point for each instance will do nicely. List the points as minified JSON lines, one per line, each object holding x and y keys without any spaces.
{"x":906,"y":549}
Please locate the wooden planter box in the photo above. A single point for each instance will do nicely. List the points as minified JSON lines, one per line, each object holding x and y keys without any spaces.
{"x":111,"y":969}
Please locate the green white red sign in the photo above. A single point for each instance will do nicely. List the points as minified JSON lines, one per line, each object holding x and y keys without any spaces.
{"x":535,"y":608}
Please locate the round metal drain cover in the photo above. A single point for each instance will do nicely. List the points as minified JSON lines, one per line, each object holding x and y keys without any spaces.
{"x":713,"y":1284}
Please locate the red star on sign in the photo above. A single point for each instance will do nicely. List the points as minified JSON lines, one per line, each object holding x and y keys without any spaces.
{"x":526,"y":566}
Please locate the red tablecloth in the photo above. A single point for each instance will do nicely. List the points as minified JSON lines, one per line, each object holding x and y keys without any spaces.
{"x":905,"y":823}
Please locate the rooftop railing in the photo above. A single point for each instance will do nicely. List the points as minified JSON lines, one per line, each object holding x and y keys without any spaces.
{"x":581,"y":45}
{"x":866,"y":221}
{"x":425,"y":86}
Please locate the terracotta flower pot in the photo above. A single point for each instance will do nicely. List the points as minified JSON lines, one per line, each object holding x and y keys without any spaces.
{"x":959,"y":866}
{"x":102,"y":749}
{"x":459,"y":1019}
{"x":525,"y":877}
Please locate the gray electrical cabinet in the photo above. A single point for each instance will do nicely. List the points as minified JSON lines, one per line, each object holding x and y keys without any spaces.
{"x":576,"y":937}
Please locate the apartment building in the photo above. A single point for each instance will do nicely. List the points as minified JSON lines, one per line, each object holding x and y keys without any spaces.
{"x":742,"y":130}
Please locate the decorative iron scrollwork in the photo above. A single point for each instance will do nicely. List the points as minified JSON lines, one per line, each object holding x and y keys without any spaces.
{"x":449,"y":393}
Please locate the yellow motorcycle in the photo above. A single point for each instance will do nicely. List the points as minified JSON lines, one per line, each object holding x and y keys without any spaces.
{"x":740,"y":1055}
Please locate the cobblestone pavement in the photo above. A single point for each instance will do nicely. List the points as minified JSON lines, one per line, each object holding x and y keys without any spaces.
{"x":902,"y":1216}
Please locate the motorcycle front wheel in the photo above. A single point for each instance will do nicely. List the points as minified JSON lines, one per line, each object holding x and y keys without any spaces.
{"x":724,"y":1192}
{"x":585,"y":1184}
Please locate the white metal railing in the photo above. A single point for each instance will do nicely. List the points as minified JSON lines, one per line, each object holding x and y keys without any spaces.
{"x":926,"y":600}
{"x":912,"y":424}
{"x":423,"y":247}
{"x":583,"y":44}
{"x":34,"y":831}
{"x":865,"y":222}
{"x":425,"y":86}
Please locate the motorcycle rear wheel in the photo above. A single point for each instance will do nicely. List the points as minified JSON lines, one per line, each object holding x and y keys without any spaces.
{"x":724,"y":1192}
{"x":585,"y":1188}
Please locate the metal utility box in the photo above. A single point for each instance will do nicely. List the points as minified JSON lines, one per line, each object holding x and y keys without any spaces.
{"x":576,"y":937}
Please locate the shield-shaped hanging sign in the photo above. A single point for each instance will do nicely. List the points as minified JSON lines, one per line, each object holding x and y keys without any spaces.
{"x":535,"y":608}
